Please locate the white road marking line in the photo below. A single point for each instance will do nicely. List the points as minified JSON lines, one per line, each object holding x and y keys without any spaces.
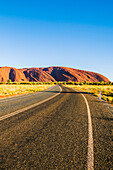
{"x":29,"y":107}
{"x":5,"y":99}
{"x":90,"y":161}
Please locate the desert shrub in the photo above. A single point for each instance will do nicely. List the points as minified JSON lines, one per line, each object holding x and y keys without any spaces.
{"x":16,"y":83}
{"x":76,"y":83}
{"x":81,"y":83}
{"x":9,"y":81}
{"x":107,"y":98}
{"x":85,"y":82}
{"x":91,"y":83}
{"x":55,"y":82}
{"x":110,"y":83}
{"x":112,"y":101}
{"x":2,"y":83}
{"x":23,"y":82}
{"x":70,"y":82}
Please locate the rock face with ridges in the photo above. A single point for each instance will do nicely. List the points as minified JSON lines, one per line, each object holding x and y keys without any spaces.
{"x":11,"y":73}
{"x":34,"y":74}
{"x":70,"y":74}
{"x":49,"y":74}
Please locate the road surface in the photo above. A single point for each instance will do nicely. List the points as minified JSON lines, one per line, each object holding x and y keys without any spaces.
{"x":56,"y":133}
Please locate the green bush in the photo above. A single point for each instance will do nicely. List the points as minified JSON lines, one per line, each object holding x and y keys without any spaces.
{"x":9,"y":81}
{"x":81,"y":83}
{"x":2,"y":83}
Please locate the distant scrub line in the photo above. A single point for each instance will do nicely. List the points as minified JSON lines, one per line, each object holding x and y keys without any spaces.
{"x":12,"y":88}
{"x":63,"y":83}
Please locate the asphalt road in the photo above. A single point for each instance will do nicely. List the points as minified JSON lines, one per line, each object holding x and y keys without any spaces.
{"x":11,"y":104}
{"x":54,"y":135}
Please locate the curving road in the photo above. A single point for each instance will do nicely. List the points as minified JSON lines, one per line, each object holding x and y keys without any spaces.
{"x":56,"y":134}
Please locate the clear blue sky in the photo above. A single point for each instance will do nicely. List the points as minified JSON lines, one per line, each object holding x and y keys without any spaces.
{"x":71,"y":33}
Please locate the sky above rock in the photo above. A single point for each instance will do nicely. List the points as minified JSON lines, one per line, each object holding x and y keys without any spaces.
{"x":69,"y":33}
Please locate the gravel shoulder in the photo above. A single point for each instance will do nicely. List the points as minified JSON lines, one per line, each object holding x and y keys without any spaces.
{"x":102,"y":120}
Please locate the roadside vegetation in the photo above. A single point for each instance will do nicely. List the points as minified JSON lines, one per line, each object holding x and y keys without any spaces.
{"x":106,"y":90}
{"x":14,"y":88}
{"x":9,"y":82}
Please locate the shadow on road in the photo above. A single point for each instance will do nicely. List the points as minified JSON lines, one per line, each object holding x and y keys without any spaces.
{"x":50,"y":91}
{"x":105,"y":118}
{"x":74,"y":92}
{"x":64,"y":92}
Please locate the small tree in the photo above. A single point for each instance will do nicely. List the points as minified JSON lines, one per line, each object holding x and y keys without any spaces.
{"x":81,"y":83}
{"x":85,"y":82}
{"x":110,"y":83}
{"x":9,"y":81}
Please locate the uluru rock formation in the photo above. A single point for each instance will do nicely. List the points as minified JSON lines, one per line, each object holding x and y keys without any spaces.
{"x":11,"y":73}
{"x":36,"y":74}
{"x":49,"y":74}
{"x":71,"y":74}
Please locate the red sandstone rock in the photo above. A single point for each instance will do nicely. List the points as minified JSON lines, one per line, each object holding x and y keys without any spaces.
{"x":49,"y":74}
{"x":11,"y":73}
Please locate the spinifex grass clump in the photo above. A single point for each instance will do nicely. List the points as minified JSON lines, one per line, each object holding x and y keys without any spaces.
{"x":9,"y":90}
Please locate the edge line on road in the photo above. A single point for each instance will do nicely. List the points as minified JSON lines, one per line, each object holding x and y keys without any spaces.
{"x":90,"y":161}
{"x":29,"y":107}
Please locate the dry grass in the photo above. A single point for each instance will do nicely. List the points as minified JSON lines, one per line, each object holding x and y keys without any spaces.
{"x":107,"y":90}
{"x":10,"y":90}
